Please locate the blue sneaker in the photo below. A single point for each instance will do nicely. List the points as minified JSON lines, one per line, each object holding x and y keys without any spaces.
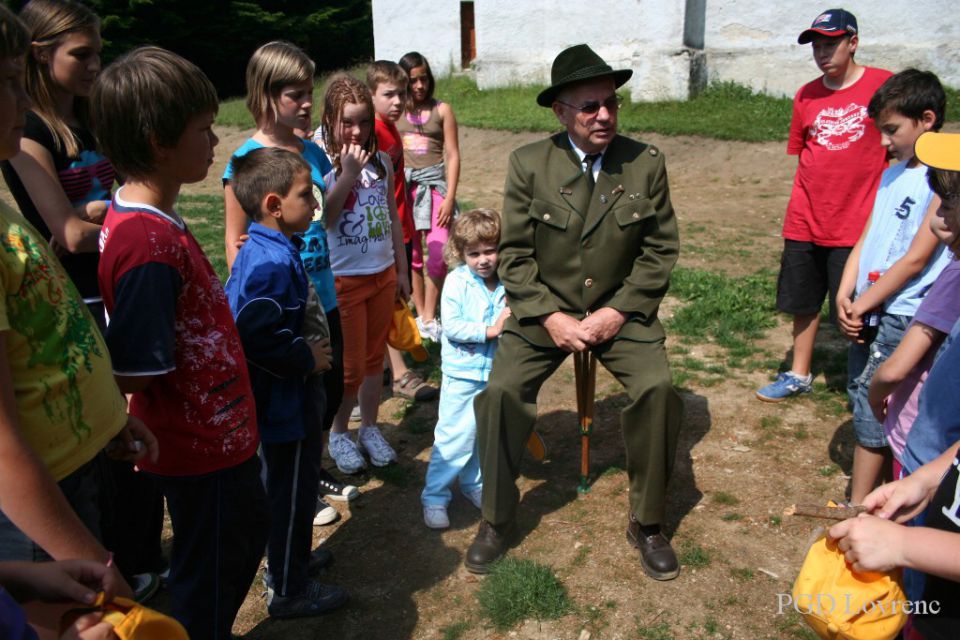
{"x":785,"y":386}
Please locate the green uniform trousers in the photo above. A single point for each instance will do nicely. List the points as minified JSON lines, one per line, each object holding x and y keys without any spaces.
{"x":507,"y":409}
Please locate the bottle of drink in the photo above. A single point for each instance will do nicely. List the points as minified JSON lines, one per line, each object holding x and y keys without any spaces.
{"x":871,"y":319}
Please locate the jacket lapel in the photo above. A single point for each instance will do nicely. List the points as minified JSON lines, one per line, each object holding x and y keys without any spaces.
{"x":573,"y":183}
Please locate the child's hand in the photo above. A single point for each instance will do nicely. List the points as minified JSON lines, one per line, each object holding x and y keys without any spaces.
{"x":445,"y":214}
{"x":502,"y":319}
{"x":870,"y":543}
{"x":900,"y":500}
{"x":241,"y":240}
{"x":879,"y":408}
{"x":353,"y":158}
{"x":135,"y":441}
{"x":403,"y":287}
{"x":850,"y":324}
{"x":322,"y":355}
{"x":89,"y":626}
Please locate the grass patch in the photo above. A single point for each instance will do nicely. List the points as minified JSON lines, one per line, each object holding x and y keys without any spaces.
{"x":519,"y":589}
{"x":731,"y":517}
{"x":455,"y":630}
{"x":725,"y":111}
{"x":742,"y":573}
{"x":828,"y":470}
{"x":658,"y":631}
{"x":776,"y":521}
{"x":731,"y":311}
{"x":204,"y":216}
{"x":770,"y":422}
{"x":722,"y":497}
{"x":694,"y":556}
{"x":393,"y":474}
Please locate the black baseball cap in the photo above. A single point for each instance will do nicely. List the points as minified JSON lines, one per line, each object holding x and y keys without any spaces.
{"x":833,"y":23}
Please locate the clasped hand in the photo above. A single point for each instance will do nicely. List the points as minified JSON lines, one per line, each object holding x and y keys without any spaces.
{"x":571,"y":334}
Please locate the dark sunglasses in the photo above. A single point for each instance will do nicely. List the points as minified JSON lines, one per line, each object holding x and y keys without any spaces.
{"x":613,"y":103}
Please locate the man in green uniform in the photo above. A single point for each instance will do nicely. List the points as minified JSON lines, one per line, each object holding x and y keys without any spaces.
{"x":589,"y":239}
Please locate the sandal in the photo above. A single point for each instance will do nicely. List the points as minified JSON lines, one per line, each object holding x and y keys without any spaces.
{"x":412,"y":387}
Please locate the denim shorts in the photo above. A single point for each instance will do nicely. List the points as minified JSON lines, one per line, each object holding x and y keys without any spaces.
{"x":862,"y":362}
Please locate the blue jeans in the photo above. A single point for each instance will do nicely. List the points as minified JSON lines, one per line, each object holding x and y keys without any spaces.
{"x":454,"y":455}
{"x":862,"y":362}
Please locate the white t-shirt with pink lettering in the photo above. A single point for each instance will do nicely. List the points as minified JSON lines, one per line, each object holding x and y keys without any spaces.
{"x":361,"y":239}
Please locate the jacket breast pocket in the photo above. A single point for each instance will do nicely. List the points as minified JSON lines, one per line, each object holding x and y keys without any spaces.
{"x":632,"y":213}
{"x":552,"y":215}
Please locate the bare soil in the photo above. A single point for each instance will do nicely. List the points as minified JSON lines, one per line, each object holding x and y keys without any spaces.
{"x":740,"y":462}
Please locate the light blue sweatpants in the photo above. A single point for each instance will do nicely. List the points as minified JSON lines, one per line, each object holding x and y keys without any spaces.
{"x":454,"y":455}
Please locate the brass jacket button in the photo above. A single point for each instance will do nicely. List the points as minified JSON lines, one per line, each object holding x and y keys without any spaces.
{"x":546,"y":216}
{"x":588,"y":283}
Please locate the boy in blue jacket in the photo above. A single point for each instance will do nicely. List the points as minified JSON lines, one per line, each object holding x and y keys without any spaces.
{"x":267,"y":291}
{"x":474,"y":309}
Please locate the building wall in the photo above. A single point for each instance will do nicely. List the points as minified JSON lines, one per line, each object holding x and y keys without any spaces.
{"x":431,"y":27}
{"x":752,"y":42}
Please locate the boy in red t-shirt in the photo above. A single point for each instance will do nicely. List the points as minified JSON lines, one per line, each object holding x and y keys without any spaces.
{"x":172,"y":337}
{"x":840,"y":163}
{"x":388,"y":84}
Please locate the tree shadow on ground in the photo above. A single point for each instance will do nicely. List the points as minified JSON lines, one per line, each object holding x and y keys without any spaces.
{"x":560,"y":472}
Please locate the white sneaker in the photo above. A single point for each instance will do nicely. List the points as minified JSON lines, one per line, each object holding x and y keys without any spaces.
{"x":325,"y":514}
{"x":435,"y":516}
{"x":380,"y":452}
{"x":345,"y":453}
{"x":355,"y":414}
{"x":475,"y":497}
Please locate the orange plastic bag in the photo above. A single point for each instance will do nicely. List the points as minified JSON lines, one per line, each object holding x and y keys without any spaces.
{"x":131,"y":621}
{"x":404,"y":334}
{"x":840,"y":604}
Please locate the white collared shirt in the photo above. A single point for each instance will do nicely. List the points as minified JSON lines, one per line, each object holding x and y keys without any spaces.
{"x":582,"y":154}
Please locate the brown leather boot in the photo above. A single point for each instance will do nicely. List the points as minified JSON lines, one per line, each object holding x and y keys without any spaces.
{"x":491,"y":543}
{"x":656,"y":555}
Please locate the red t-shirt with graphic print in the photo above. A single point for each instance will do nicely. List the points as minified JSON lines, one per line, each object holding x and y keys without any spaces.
{"x":169,"y":318}
{"x":841,"y":161}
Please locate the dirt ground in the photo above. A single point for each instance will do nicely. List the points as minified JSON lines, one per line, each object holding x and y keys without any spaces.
{"x":739,"y":464}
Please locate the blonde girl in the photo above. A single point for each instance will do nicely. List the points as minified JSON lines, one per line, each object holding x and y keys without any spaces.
{"x":432,"y":155}
{"x":369,"y":264}
{"x":59,"y":180}
{"x":280,"y":98}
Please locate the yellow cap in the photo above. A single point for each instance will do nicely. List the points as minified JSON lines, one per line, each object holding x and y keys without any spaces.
{"x":939,"y":150}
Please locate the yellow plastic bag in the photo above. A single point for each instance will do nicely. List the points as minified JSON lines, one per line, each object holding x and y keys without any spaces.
{"x":840,"y":604}
{"x":404,"y":334}
{"x":131,"y":621}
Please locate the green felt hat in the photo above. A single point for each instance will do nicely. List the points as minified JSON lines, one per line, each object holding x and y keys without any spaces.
{"x":576,"y":64}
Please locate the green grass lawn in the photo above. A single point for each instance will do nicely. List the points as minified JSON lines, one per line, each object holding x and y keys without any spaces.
{"x":725,"y":111}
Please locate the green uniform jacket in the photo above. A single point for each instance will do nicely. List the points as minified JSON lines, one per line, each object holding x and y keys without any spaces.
{"x":563,"y":249}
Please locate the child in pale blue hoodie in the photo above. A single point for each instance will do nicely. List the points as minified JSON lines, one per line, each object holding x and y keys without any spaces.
{"x":473,"y":308}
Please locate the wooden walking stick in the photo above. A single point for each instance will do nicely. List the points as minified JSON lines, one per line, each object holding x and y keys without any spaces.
{"x":585,"y":377}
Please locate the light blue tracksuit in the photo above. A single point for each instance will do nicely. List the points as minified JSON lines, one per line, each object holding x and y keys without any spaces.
{"x":467,"y":308}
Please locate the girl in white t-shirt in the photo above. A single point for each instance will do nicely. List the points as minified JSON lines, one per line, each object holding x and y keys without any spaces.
{"x":368,"y":261}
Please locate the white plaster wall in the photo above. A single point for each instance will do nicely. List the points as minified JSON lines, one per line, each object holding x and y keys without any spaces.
{"x":518,"y":40}
{"x":752,"y":42}
{"x":431,"y":27}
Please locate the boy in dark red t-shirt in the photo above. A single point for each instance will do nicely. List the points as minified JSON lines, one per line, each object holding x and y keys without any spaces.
{"x":840,"y":164}
{"x":172,"y":337}
{"x":388,"y":84}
